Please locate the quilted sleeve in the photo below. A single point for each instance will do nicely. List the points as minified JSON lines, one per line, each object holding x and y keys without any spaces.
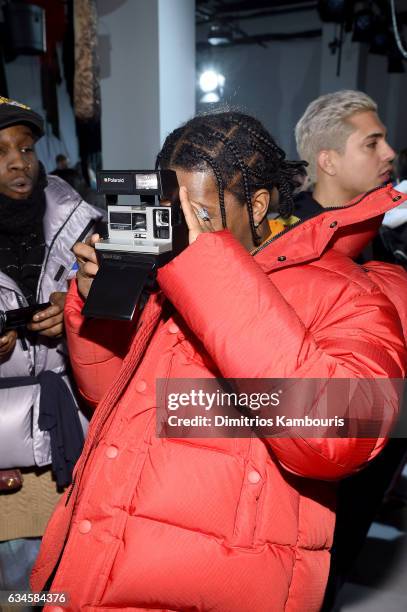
{"x":251,"y":331}
{"x":96,"y":348}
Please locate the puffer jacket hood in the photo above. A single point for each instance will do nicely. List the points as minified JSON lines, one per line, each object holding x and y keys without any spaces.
{"x":222,"y":524}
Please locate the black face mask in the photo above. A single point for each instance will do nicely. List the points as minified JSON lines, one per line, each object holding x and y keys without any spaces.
{"x":22,"y":217}
{"x":22,"y":243}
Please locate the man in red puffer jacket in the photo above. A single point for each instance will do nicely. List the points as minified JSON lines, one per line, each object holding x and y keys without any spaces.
{"x":222,"y":524}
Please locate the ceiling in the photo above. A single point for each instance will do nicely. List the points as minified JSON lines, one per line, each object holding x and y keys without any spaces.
{"x":233,"y":15}
{"x":217,"y":9}
{"x":221,"y":16}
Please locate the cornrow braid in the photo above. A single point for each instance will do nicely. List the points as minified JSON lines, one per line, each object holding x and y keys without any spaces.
{"x":243,"y":169}
{"x":170,"y":144}
{"x":259,"y":136}
{"x":284,"y":175}
{"x":286,"y":204}
{"x":288,"y":181}
{"x":255,"y":236}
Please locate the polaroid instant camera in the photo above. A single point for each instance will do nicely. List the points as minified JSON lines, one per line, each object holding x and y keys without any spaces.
{"x":142,"y":237}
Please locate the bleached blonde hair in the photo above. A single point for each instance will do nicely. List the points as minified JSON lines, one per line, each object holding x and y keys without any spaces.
{"x":325,"y":125}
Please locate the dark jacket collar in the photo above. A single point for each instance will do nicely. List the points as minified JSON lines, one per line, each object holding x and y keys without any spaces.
{"x":305,"y":206}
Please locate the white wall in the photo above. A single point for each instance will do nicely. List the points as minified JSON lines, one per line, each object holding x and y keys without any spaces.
{"x":176,"y":19}
{"x":129,"y":87}
{"x":147,"y":55}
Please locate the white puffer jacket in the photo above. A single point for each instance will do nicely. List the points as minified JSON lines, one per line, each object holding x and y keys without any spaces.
{"x":67,"y":219}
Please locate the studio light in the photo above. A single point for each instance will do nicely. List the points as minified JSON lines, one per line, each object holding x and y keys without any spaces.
{"x":208,"y":81}
{"x":211,"y":84}
{"x":211,"y":97}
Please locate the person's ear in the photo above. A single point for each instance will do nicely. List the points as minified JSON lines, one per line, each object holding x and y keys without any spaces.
{"x":326,"y":161}
{"x":260,"y":205}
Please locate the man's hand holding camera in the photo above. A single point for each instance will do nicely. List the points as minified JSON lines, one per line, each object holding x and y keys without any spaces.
{"x":85,"y":252}
{"x":47,"y":322}
{"x":50,"y":322}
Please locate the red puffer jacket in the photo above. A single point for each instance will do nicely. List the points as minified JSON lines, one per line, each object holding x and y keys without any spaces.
{"x":227,"y":525}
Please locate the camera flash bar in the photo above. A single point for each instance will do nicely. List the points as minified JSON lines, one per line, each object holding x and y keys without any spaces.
{"x":138,"y":182}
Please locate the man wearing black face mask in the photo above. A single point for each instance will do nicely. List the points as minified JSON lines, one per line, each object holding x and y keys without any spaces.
{"x":40,"y":219}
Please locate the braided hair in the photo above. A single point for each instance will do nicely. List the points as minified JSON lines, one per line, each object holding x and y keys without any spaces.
{"x":242,"y":156}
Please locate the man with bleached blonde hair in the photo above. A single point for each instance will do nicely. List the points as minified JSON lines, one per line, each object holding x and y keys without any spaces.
{"x":344,"y":142}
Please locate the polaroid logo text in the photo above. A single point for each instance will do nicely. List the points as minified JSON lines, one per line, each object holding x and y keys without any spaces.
{"x":108,"y":179}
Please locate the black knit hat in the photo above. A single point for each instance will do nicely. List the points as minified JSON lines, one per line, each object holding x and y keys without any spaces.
{"x":15,"y":113}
